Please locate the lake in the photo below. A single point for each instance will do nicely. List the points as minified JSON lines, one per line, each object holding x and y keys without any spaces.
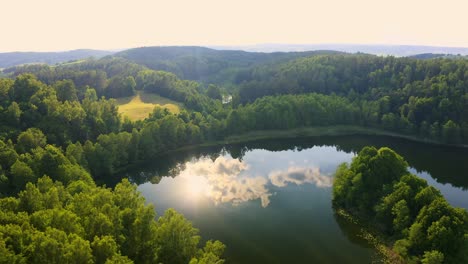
{"x":270,"y":201}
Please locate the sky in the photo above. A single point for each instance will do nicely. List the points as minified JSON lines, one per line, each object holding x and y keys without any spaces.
{"x":52,"y":25}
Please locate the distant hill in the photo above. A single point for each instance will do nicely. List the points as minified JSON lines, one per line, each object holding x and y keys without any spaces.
{"x":9,"y":59}
{"x":205,"y":64}
{"x":395,"y":50}
{"x":201,"y":63}
{"x":427,"y":56}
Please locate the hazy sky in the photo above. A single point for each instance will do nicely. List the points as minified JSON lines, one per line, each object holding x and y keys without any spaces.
{"x":45,"y":25}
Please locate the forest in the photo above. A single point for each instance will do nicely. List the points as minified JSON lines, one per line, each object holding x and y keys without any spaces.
{"x":422,"y":226}
{"x":61,"y":136}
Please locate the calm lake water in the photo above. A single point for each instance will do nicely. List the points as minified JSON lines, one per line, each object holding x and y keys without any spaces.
{"x":270,"y":201}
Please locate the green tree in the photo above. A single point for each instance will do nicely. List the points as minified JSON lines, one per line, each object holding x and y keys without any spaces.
{"x":177,"y":237}
{"x":402,"y":216}
{"x":13,"y":114}
{"x":30,"y":139}
{"x":433,"y":257}
{"x":21,"y":174}
{"x":104,"y":248}
{"x":24,"y":87}
{"x":214,"y":92}
{"x":66,"y":90}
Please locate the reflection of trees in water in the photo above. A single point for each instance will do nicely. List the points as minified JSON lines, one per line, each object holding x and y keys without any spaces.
{"x":351,"y":230}
{"x":169,"y":165}
{"x":445,"y":164}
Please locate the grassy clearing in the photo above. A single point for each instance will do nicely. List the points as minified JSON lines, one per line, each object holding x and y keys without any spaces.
{"x":141,"y":105}
{"x":66,"y":63}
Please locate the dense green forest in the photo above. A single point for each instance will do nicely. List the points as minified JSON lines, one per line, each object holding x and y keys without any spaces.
{"x":61,"y":135}
{"x":423,"y":98}
{"x":377,"y":188}
{"x":78,"y":222}
{"x":52,"y":211}
{"x":208,"y":65}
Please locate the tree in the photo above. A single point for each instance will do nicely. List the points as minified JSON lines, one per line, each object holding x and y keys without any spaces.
{"x":214,"y":92}
{"x":66,"y":90}
{"x":104,"y":248}
{"x":433,"y":257}
{"x":402,"y":216}
{"x":30,"y":139}
{"x":179,"y":239}
{"x":25,"y":86}
{"x":210,"y":254}
{"x":5,"y":86}
{"x":21,"y":174}
{"x":8,"y":155}
{"x":13,"y":114}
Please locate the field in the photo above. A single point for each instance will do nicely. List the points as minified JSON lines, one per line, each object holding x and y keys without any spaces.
{"x":141,"y":105}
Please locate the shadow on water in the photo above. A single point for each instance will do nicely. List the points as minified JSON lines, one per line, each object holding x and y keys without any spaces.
{"x":350,"y":230}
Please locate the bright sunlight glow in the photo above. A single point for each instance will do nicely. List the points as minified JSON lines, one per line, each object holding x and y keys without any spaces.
{"x":195,"y":187}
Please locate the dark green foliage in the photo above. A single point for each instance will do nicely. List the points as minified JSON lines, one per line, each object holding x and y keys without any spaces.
{"x":168,"y":85}
{"x":80,"y":223}
{"x":66,"y":91}
{"x":214,"y":92}
{"x":174,"y":232}
{"x":414,"y":96}
{"x":56,"y":112}
{"x":30,"y":139}
{"x":107,"y":76}
{"x":367,"y":179}
{"x":207,"y":65}
{"x":377,"y":187}
{"x":120,"y":86}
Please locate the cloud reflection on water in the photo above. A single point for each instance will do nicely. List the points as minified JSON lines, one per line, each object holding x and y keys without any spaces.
{"x":299,"y":176}
{"x":226,"y":180}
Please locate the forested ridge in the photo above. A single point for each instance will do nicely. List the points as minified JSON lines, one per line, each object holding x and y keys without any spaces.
{"x":61,"y":133}
{"x":208,"y":65}
{"x":423,"y":98}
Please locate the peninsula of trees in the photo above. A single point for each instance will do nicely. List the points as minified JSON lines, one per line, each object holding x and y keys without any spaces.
{"x":423,"y":228}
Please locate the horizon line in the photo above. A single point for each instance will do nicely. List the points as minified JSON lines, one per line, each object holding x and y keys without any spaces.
{"x":239,"y":46}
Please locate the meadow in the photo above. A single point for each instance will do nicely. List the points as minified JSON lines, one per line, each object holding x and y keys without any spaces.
{"x":142,"y":104}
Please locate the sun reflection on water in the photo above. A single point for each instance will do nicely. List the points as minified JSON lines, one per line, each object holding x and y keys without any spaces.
{"x":195,"y":186}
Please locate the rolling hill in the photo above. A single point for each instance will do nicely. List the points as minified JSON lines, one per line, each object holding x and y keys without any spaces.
{"x":205,"y":64}
{"x":10,"y":59}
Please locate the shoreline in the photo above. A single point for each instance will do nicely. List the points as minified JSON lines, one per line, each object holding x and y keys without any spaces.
{"x":315,"y":131}
{"x":381,"y":244}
